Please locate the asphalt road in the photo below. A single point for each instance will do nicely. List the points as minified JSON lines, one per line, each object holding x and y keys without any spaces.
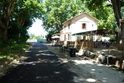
{"x":41,"y":66}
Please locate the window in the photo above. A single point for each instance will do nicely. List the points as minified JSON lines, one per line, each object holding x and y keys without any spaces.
{"x":84,"y":26}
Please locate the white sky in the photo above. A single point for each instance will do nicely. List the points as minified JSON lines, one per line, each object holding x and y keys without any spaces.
{"x":37,"y":28}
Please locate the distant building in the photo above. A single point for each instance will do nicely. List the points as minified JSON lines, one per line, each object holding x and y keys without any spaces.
{"x":79,"y":24}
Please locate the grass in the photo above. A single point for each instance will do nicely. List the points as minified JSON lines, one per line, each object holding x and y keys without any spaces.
{"x":12,"y":51}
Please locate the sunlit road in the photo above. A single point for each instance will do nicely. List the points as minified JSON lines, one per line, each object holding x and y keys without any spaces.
{"x":41,"y":66}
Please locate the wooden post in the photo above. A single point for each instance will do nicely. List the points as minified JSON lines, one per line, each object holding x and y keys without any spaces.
{"x":123,"y":65}
{"x":119,"y":63}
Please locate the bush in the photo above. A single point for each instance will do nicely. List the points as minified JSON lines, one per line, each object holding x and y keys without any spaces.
{"x":13,"y":50}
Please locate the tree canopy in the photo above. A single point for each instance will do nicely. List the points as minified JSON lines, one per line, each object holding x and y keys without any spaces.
{"x":15,"y":18}
{"x":117,"y":9}
{"x":58,"y":11}
{"x":17,"y":15}
{"x":116,"y":5}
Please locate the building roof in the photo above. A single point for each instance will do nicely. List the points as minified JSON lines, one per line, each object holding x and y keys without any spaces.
{"x":99,"y":32}
{"x":83,"y":15}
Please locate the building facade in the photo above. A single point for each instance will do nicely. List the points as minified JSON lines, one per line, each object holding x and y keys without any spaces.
{"x":79,"y":24}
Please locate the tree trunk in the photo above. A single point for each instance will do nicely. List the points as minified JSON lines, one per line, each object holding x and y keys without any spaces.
{"x":117,"y":11}
{"x":5,"y":36}
{"x":8,"y":7}
{"x":122,"y":36}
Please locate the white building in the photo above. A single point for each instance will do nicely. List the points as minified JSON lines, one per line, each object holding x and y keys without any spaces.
{"x":78,"y":24}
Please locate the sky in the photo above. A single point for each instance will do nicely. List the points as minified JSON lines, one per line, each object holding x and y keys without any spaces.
{"x":37,"y":28}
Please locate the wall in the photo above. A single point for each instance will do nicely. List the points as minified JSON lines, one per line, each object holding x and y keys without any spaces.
{"x":75,"y":26}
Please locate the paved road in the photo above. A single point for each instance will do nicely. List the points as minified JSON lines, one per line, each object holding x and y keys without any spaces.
{"x":41,"y":66}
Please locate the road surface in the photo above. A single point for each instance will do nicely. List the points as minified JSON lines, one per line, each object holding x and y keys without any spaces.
{"x":41,"y":66}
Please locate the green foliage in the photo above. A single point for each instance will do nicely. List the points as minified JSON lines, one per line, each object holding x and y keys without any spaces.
{"x":94,"y":4}
{"x":18,"y":16}
{"x":58,"y":11}
{"x":13,"y":50}
{"x":122,"y":11}
{"x":102,"y":10}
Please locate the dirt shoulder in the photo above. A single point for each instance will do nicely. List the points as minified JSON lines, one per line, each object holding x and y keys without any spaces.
{"x":88,"y":71}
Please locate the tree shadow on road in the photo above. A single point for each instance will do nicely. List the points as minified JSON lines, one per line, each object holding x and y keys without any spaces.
{"x":41,"y":66}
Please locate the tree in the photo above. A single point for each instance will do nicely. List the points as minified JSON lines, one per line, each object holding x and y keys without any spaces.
{"x":7,"y":7}
{"x":58,"y":11}
{"x":16,"y":16}
{"x":102,"y":10}
{"x":117,"y":6}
